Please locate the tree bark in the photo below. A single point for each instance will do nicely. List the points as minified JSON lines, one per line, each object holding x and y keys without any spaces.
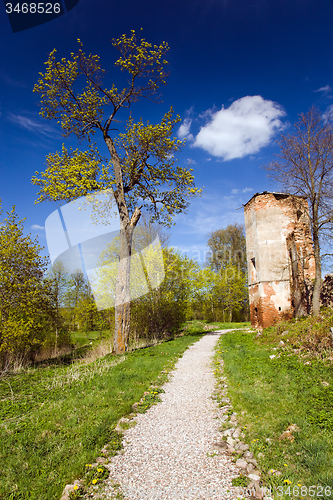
{"x":123,"y":294}
{"x":299,"y":309}
{"x":317,"y":281}
{"x":123,"y":290}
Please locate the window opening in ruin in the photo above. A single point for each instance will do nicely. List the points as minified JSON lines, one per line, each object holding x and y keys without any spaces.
{"x":279,"y":308}
{"x":253,"y":262}
{"x":299,"y":214}
{"x":280,"y":196}
{"x":256,"y":310}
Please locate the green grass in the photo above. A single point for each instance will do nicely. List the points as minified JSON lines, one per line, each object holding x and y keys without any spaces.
{"x":199,"y":326}
{"x":56,"y":419}
{"x":90,"y":338}
{"x":225,"y":326}
{"x":270,"y":394}
{"x":310,"y":335}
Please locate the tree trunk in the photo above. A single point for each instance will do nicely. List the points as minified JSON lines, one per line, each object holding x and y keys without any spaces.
{"x":123,"y":294}
{"x":213,"y":312}
{"x":299,"y":308}
{"x":56,"y":341}
{"x":317,"y":281}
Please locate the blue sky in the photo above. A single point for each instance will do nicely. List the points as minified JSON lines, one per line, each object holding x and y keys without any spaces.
{"x":240,"y":73}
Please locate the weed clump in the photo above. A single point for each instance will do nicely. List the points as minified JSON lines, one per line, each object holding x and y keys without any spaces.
{"x":240,"y":481}
{"x":310,"y":334}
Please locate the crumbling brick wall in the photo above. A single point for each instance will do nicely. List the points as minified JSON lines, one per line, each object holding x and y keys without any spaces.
{"x":326,"y":292}
{"x":280,"y":257}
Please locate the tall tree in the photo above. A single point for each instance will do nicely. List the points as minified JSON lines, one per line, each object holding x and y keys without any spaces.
{"x":222,"y":294}
{"x":163,"y":310}
{"x":147,"y":231}
{"x":86,"y":313}
{"x":304,"y":167}
{"x":228,"y":247}
{"x":57,"y":281}
{"x":25,"y":305}
{"x":231,"y":291}
{"x":76,"y":288}
{"x":141,"y":166}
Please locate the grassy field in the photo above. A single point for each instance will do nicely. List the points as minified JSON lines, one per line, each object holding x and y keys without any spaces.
{"x":90,"y":338}
{"x":55,"y":419}
{"x":197,"y":326}
{"x":273,"y":385}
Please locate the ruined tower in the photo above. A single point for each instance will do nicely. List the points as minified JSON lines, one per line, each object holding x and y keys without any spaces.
{"x":280,"y":258}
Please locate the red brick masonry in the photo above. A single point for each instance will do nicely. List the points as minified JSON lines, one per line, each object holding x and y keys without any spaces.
{"x":280,"y":258}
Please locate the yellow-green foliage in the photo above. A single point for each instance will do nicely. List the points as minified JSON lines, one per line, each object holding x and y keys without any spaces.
{"x":140,"y":168}
{"x":218,"y":295}
{"x":163,"y":311}
{"x":24,"y":299}
{"x":141,"y":158}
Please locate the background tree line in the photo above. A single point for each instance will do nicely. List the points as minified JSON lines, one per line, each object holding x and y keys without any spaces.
{"x":221,"y":292}
{"x":42,"y":305}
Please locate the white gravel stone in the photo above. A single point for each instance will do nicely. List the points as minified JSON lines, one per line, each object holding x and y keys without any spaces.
{"x":170,"y":453}
{"x":241,"y":463}
{"x":254,"y":477}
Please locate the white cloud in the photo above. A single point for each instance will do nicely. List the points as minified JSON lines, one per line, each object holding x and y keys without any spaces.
{"x":208,"y":213}
{"x":328,"y":113}
{"x":36,"y":226}
{"x":244,"y":128}
{"x":184,"y":129}
{"x":32,"y":125}
{"x":12,"y":82}
{"x":191,"y":161}
{"x":245,"y":190}
{"x":326,"y":90}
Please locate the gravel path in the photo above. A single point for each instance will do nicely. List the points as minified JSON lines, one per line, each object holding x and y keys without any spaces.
{"x":166,"y":455}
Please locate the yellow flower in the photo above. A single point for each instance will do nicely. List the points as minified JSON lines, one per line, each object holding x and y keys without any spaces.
{"x":299,"y":485}
{"x":88,"y":465}
{"x":94,"y":481}
{"x":285,"y":465}
{"x":75,"y":487}
{"x":99,"y":470}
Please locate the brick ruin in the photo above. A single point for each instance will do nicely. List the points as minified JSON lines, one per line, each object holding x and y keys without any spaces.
{"x":326,"y":292}
{"x":281,"y":265}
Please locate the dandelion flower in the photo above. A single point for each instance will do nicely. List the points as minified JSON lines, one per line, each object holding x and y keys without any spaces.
{"x":94,"y":481}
